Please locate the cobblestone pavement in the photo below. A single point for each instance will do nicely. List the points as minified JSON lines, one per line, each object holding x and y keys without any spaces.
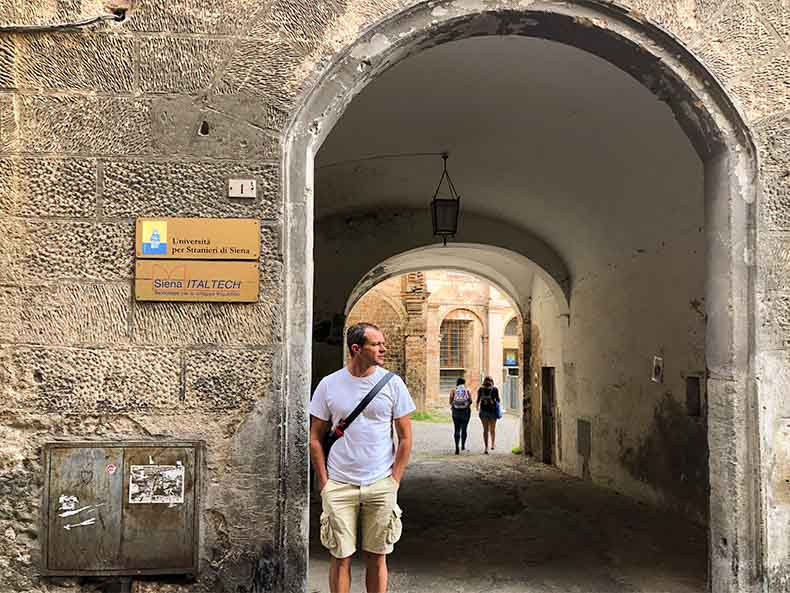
{"x":507,"y":524}
{"x":437,"y":438}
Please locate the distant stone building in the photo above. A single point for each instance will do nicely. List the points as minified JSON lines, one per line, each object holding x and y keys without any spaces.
{"x":469,"y":328}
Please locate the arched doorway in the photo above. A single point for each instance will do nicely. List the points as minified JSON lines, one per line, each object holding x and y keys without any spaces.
{"x":511,"y":273}
{"x":721,"y":142}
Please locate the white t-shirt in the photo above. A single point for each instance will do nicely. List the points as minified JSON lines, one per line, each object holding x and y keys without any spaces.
{"x":366,"y":452}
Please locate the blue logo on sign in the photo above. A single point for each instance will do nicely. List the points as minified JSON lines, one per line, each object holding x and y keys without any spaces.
{"x":156,"y":244}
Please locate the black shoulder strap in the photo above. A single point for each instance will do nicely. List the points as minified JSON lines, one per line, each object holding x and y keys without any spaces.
{"x":367,"y":399}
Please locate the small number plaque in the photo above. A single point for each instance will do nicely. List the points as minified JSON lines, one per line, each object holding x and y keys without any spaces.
{"x":241,"y":188}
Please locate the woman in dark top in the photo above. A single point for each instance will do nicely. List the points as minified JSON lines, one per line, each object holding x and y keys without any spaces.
{"x":487,"y":399}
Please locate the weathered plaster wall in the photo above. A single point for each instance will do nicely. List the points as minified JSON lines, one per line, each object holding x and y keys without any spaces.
{"x":641,"y":433}
{"x":99,"y":127}
{"x":645,"y":441}
{"x":547,"y":332}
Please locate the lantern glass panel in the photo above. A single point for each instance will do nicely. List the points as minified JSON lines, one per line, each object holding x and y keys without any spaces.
{"x":445,"y":216}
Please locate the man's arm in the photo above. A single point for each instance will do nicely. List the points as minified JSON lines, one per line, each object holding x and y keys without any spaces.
{"x":403,"y":429}
{"x":318,"y":428}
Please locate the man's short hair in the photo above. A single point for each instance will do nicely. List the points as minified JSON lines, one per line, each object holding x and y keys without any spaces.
{"x":356,"y":334}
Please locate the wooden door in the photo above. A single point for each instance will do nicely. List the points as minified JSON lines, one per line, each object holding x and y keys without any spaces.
{"x":548,"y":407}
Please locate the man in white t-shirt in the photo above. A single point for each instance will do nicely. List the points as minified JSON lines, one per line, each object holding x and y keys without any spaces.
{"x":359,"y":484}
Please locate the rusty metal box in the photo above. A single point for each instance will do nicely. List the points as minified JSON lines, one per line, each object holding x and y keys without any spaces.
{"x":120,"y":508}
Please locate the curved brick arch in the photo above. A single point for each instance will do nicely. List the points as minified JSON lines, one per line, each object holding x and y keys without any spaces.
{"x":722,"y":140}
{"x":456,"y":309}
{"x":379,"y":308}
{"x":470,"y":258}
{"x":398,"y":307}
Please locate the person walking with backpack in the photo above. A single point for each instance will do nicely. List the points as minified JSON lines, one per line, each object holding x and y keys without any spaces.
{"x":488,"y":404}
{"x":361,"y":472}
{"x":461,"y":406}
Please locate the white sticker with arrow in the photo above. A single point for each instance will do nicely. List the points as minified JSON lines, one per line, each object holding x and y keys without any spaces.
{"x":73,"y":512}
{"x":85,"y":523}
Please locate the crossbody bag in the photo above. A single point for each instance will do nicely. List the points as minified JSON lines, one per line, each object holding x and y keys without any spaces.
{"x":336,"y":433}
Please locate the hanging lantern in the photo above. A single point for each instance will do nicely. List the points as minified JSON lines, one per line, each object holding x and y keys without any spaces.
{"x":445,"y":208}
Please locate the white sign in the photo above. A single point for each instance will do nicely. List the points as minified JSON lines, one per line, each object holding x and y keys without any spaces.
{"x":156,"y":484}
{"x":241,"y":188}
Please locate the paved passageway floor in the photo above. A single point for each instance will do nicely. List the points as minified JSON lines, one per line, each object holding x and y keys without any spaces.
{"x":504,"y":523}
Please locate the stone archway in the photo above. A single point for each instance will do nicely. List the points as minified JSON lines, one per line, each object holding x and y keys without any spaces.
{"x":510,"y":272}
{"x":497,"y":265}
{"x":724,"y":145}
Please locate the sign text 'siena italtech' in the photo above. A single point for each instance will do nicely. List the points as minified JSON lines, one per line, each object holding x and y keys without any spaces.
{"x":207,"y":284}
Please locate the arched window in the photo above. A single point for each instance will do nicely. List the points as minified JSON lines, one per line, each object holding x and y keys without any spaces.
{"x":511,"y":329}
{"x":453,"y":343}
{"x":454,"y":348}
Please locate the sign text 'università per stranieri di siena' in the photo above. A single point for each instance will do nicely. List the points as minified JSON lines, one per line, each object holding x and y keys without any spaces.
{"x":198,"y":238}
{"x":197,"y":259}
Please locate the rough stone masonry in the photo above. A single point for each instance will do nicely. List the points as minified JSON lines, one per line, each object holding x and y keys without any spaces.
{"x":151,"y":116}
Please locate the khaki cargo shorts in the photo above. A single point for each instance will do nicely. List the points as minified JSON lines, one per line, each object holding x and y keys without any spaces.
{"x":345,"y":505}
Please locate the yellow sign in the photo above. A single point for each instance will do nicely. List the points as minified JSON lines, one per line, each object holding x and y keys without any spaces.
{"x":198,"y":238}
{"x":196,"y":281}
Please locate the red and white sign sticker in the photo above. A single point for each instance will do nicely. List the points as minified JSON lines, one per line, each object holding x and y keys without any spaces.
{"x":111,"y":468}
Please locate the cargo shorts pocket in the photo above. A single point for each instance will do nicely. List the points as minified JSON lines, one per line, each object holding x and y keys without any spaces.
{"x":328,"y":537}
{"x":395,"y":525}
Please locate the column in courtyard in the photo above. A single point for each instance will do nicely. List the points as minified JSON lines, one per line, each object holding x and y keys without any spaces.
{"x":415,"y":297}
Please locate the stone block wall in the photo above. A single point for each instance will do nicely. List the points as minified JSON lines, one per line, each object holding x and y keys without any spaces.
{"x":97,"y":128}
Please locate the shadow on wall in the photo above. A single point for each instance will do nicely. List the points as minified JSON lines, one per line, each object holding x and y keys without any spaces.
{"x":329,"y":331}
{"x":673,"y":458}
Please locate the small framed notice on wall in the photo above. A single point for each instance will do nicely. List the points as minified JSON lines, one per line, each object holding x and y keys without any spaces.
{"x":657,"y":375}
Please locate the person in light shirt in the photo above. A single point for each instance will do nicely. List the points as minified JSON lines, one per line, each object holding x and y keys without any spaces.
{"x":360,"y":480}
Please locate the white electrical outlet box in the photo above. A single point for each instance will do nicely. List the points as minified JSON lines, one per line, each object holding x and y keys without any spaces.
{"x":241,"y":188}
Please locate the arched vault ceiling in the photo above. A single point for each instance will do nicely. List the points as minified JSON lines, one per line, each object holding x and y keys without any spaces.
{"x":355,"y":251}
{"x":544,"y":136}
{"x":508,"y":271}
